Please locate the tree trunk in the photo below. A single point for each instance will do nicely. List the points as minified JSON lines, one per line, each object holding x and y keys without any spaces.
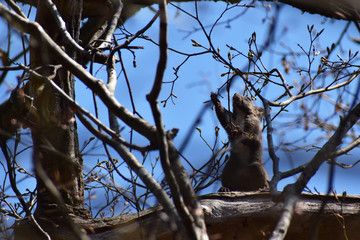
{"x":56,"y":153}
{"x":55,"y":133}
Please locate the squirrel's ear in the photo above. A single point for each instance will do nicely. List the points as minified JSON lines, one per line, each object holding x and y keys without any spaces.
{"x":260,"y":112}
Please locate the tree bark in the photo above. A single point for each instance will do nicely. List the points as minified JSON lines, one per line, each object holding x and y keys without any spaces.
{"x":58,"y":163}
{"x":250,"y":216}
{"x":338,"y":9}
{"x":53,"y":128}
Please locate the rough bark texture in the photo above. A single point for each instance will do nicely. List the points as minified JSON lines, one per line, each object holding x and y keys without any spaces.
{"x":236,"y":215}
{"x":53,"y":127}
{"x":253,"y":216}
{"x":250,"y":216}
{"x":57,"y":161}
{"x":228,"y":215}
{"x":339,"y":9}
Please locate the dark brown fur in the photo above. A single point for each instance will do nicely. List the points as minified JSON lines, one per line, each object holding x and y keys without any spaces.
{"x":244,"y":171}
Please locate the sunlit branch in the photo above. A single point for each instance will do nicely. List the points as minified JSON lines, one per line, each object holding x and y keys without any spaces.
{"x":144,"y":175}
{"x":271,"y":148}
{"x":292,"y":191}
{"x":111,"y":85}
{"x":152,"y":97}
{"x":62,"y":26}
{"x":315,"y":91}
{"x":347,"y":149}
{"x":97,"y":85}
{"x":16,"y":8}
{"x":111,"y":26}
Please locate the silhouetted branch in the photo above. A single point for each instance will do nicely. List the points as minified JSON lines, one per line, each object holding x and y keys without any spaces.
{"x":292,"y":191}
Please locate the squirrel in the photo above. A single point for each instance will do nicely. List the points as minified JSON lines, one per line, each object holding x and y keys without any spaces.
{"x":244,"y":170}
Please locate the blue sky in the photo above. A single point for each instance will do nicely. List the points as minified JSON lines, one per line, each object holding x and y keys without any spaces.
{"x":201,"y":74}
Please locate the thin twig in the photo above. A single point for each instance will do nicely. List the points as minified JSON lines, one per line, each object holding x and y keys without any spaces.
{"x":315,"y":91}
{"x":292,"y":191}
{"x":12,"y":178}
{"x":47,"y":236}
{"x":96,"y":85}
{"x":139,"y":169}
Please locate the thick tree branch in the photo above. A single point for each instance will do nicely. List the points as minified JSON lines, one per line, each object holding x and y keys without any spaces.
{"x":119,"y":145}
{"x":152,"y":97}
{"x":68,"y":40}
{"x":176,"y":176}
{"x":292,"y":191}
{"x":97,"y":85}
{"x":111,"y":26}
{"x":339,"y":9}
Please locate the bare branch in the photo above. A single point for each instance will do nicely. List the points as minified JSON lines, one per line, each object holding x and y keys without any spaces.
{"x":16,"y":8}
{"x":111,"y":85}
{"x":315,"y":91}
{"x":98,"y":86}
{"x":62,"y":26}
{"x":145,"y":176}
{"x":347,"y":149}
{"x":190,"y":212}
{"x":127,"y":156}
{"x":292,"y":191}
{"x":285,"y":218}
{"x":111,"y":26}
{"x":40,"y":228}
{"x":271,"y":148}
{"x":137,"y":34}
{"x":152,"y":97}
{"x":12,"y":178}
{"x":83,"y":111}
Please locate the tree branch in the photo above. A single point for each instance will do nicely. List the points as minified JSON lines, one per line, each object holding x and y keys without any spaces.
{"x":315,"y":91}
{"x":152,"y":97}
{"x":96,"y":85}
{"x":144,"y":175}
{"x":111,"y":85}
{"x":119,"y":145}
{"x":292,"y":191}
{"x":62,"y":27}
{"x":111,"y":26}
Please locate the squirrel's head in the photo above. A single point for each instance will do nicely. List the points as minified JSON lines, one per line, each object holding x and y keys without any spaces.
{"x":243,"y":104}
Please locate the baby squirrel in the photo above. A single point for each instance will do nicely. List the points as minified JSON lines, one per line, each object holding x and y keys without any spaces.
{"x":244,"y":170}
